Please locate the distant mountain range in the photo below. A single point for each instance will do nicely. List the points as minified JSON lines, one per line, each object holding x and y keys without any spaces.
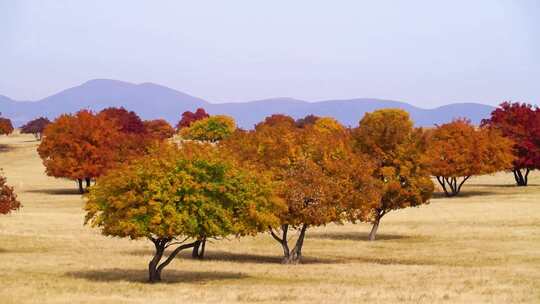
{"x":155,"y":101}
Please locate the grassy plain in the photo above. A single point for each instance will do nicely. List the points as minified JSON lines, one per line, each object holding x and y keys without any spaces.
{"x":482,"y":247}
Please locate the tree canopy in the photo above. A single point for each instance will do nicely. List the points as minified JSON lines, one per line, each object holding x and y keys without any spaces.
{"x":519,"y":122}
{"x":212,"y":129}
{"x":319,"y":177}
{"x":8,"y":198}
{"x":189,"y":117}
{"x":174,"y":194}
{"x":389,"y":138}
{"x":36,"y":127}
{"x":6,"y":127}
{"x":158,"y":129}
{"x":81,"y":146}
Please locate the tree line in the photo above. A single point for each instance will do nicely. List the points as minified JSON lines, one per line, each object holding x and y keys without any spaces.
{"x":284,"y":176}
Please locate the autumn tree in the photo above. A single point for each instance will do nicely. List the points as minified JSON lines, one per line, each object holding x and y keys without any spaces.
{"x":173,"y":195}
{"x":36,"y":127}
{"x":212,"y":129}
{"x":159,"y":129}
{"x":319,"y":177}
{"x":457,"y":151}
{"x":6,"y":127}
{"x":307,"y":120}
{"x":389,"y":138}
{"x":8,"y":198}
{"x":128,"y":121}
{"x":80,"y":147}
{"x":189,"y":117}
{"x":519,"y":122}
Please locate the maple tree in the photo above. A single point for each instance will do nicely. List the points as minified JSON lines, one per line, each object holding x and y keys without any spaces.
{"x":128,"y":121}
{"x":158,"y":129}
{"x":36,"y":127}
{"x":176,"y":194}
{"x":519,"y":122}
{"x":212,"y":129}
{"x":457,"y":151}
{"x":8,"y":198}
{"x":317,"y":173}
{"x":389,"y":138}
{"x":80,"y":147}
{"x":6,"y":127}
{"x":189,"y":117}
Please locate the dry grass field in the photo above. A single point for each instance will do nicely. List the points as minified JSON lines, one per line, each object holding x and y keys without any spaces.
{"x":482,"y":247}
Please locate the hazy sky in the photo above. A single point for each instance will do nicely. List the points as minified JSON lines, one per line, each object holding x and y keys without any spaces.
{"x":426,"y":53}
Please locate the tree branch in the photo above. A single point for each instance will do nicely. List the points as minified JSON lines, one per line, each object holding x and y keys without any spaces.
{"x":173,"y":255}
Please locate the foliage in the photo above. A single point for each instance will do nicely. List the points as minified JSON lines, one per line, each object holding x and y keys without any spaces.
{"x":81,"y":146}
{"x":389,"y":138}
{"x":212,"y":129}
{"x":6,"y":127}
{"x":8,"y":198}
{"x":158,"y":129}
{"x":307,"y":120}
{"x":189,"y":117}
{"x":320,"y":178}
{"x":459,"y":150}
{"x":127,"y":121}
{"x":181,"y":193}
{"x":36,"y":127}
{"x":519,"y":122}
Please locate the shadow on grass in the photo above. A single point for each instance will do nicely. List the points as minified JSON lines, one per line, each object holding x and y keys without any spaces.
{"x":503,"y":186}
{"x":62,"y":191}
{"x":467,"y":193}
{"x":141,"y":275}
{"x":6,"y":148}
{"x":224,"y":256}
{"x":356,"y":236}
{"x":390,"y":261}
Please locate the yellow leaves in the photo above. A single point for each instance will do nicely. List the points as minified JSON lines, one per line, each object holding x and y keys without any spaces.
{"x":213,"y":128}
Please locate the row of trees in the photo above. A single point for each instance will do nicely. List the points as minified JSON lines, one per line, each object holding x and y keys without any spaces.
{"x":298,"y":175}
{"x":282,"y":176}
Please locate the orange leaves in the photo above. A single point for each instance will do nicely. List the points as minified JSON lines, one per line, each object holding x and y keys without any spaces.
{"x":389,"y":138}
{"x":6,"y":127}
{"x":8,"y":198}
{"x":458,"y":149}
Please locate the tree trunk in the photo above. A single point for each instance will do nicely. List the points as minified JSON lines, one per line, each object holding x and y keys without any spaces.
{"x":81,"y":189}
{"x":521,"y":179}
{"x":375,"y":227}
{"x":450,"y":185}
{"x":87,"y":182}
{"x":154,"y":275}
{"x":198,"y":248}
{"x":295,"y":255}
{"x":154,"y":267}
{"x":374,"y":230}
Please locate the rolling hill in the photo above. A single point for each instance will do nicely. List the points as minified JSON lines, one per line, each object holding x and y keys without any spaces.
{"x":155,"y":101}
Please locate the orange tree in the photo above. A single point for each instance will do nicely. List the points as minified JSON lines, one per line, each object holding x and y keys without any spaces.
{"x":8,"y":198}
{"x":457,"y":151}
{"x":213,"y":128}
{"x":6,"y":127}
{"x":158,"y":129}
{"x":176,"y":194}
{"x":319,"y":177}
{"x":389,"y":138}
{"x":519,"y":122}
{"x":80,"y":147}
{"x":189,"y":117}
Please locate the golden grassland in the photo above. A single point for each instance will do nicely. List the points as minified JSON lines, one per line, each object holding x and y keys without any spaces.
{"x":481,"y":247}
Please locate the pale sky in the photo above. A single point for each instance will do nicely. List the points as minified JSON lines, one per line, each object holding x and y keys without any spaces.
{"x":427,"y":53}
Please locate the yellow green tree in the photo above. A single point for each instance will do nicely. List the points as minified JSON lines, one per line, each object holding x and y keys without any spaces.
{"x":213,"y":128}
{"x":389,"y":138}
{"x":177,"y":194}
